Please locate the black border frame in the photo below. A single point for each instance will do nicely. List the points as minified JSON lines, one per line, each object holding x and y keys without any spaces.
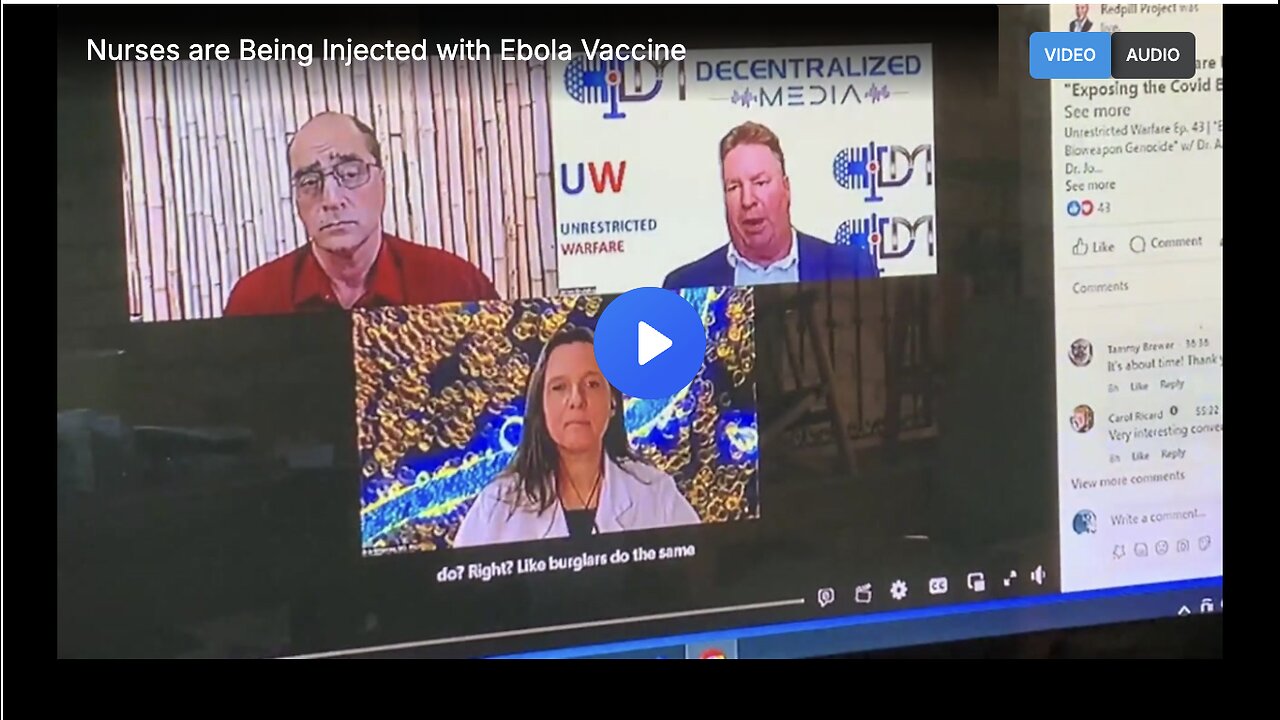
{"x":25,"y":50}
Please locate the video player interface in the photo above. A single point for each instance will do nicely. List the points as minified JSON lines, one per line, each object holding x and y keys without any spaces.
{"x":689,"y":347}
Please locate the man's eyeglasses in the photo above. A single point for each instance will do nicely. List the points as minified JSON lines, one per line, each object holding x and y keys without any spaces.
{"x":350,"y":174}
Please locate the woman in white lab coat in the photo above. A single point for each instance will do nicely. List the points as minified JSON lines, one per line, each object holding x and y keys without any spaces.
{"x":574,"y":473}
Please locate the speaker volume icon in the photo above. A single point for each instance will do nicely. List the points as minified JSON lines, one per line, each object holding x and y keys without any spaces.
{"x":1038,"y":575}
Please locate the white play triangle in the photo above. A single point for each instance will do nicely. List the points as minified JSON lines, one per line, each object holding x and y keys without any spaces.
{"x":652,"y":343}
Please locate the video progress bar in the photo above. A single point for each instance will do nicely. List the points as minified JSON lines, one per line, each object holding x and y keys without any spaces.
{"x":546,"y":629}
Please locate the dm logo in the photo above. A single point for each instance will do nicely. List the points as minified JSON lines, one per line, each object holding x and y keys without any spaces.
{"x":604,"y":82}
{"x":873,"y":167}
{"x":890,"y":238}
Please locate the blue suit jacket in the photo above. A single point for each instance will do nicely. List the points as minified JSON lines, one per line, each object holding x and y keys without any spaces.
{"x":818,"y":261}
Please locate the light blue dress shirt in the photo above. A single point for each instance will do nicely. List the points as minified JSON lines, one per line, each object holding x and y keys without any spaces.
{"x":784,"y":270}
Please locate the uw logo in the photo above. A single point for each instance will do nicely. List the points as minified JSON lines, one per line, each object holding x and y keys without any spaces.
{"x":604,"y":176}
{"x":604,"y":82}
{"x":874,"y":167}
{"x":890,"y":238}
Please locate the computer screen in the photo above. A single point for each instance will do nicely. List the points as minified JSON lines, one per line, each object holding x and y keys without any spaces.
{"x":559,"y":336}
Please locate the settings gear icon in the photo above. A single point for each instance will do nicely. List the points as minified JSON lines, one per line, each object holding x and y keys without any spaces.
{"x":898,"y":589}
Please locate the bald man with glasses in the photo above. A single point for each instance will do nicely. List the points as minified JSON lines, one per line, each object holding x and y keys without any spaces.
{"x":339,"y":189}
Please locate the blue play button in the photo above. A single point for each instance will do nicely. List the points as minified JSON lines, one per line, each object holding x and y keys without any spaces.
{"x":650,"y":343}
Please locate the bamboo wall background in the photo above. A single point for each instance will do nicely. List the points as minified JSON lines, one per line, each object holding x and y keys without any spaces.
{"x":466,"y":147}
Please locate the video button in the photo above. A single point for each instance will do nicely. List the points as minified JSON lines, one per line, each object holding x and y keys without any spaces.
{"x":1070,"y":55}
{"x":650,"y":343}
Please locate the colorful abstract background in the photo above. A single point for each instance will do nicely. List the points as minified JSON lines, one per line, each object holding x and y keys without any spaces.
{"x":440,"y":394}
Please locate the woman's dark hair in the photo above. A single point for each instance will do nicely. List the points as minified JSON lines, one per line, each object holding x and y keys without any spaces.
{"x":537,"y":458}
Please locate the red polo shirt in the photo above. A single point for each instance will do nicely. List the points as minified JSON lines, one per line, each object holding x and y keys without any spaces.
{"x":404,"y":273}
